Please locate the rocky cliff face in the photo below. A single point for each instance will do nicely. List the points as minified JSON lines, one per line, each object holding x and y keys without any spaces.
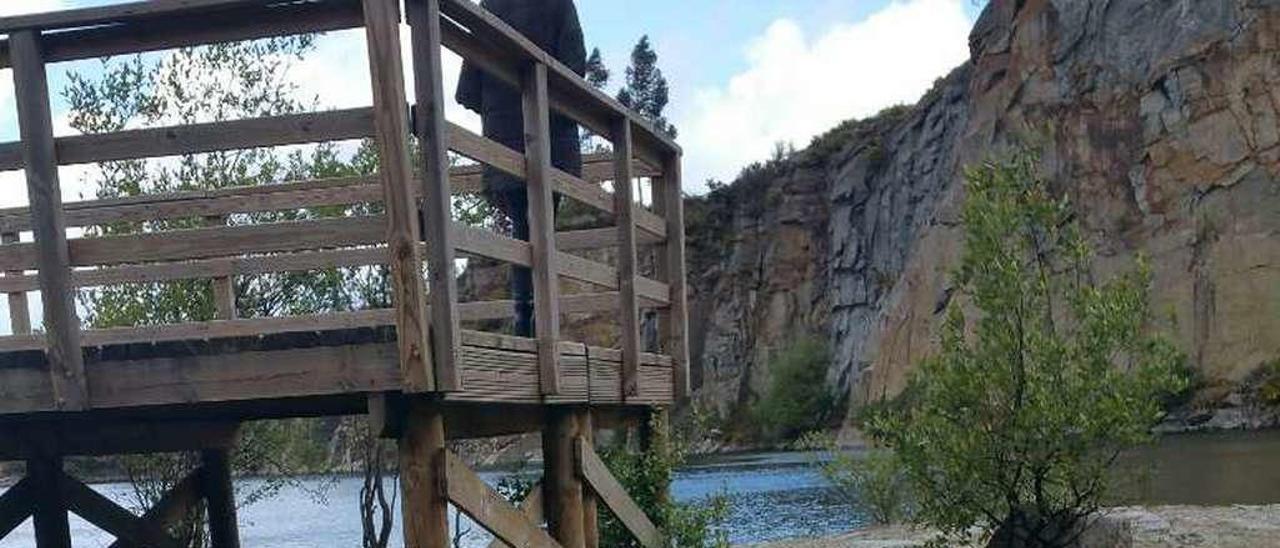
{"x":1158,"y":118}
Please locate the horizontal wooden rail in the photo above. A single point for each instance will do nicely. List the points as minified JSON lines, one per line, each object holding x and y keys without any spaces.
{"x":295,"y":129}
{"x":255,"y":327}
{"x":594,"y":472}
{"x":85,"y":17}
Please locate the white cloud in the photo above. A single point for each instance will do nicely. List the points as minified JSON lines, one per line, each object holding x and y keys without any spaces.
{"x":796,"y":87}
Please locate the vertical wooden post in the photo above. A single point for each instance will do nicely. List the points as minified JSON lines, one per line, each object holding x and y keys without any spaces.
{"x":224,"y":291}
{"x":562,"y":489}
{"x":437,"y":204}
{"x":220,"y":498}
{"x":49,"y":515}
{"x":35,"y":126}
{"x":673,"y":321}
{"x":624,"y":205}
{"x":590,"y":507}
{"x":425,"y":505}
{"x":382,"y":31}
{"x":542,"y":225}
{"x":19,"y":314}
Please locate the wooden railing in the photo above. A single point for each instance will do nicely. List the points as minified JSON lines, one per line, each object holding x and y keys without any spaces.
{"x":414,"y":228}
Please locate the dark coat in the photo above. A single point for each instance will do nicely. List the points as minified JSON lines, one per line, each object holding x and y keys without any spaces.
{"x":553,"y":26}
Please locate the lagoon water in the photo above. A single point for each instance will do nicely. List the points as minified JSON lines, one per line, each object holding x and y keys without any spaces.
{"x":771,"y":495}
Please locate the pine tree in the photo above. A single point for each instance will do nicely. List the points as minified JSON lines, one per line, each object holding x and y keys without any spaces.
{"x":597,"y":73}
{"x":646,"y":91}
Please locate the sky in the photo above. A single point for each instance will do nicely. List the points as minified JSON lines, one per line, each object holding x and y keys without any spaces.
{"x":744,"y":75}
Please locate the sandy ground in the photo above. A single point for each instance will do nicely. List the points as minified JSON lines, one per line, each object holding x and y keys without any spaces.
{"x":1157,"y":527}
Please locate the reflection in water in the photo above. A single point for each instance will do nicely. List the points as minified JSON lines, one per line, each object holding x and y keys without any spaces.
{"x":771,"y":496}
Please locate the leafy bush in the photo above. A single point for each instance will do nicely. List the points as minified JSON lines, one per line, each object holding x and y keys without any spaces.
{"x":1015,"y":424}
{"x":873,"y":482}
{"x":1268,"y":383}
{"x":798,"y":399}
{"x":647,"y":477}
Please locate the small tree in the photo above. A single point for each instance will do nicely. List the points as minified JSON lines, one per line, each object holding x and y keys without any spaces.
{"x":797,"y":399}
{"x":1016,"y":423}
{"x":646,"y":91}
{"x":597,"y":73}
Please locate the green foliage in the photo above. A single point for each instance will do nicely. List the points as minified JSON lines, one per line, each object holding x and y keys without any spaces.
{"x":646,"y":91}
{"x":798,"y":399}
{"x":873,"y":482}
{"x":646,"y":477}
{"x":1267,"y":383}
{"x":597,"y":73}
{"x":1016,"y":423}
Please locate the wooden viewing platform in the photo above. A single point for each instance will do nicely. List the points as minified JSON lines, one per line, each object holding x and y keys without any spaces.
{"x":66,"y":390}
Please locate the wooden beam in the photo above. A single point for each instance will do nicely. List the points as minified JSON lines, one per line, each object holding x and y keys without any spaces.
{"x":174,"y":505}
{"x":84,"y":17}
{"x":425,"y":503}
{"x":35,"y":125}
{"x":72,"y":437}
{"x":602,"y":482}
{"x":476,"y":499}
{"x":220,"y":498}
{"x":224,"y":290}
{"x":590,"y":508}
{"x":249,"y":22}
{"x":673,"y":322}
{"x":629,"y":304}
{"x":49,"y":513}
{"x":382,"y":24}
{"x":542,"y":225}
{"x":289,"y":129}
{"x":437,"y":205}
{"x":110,"y":517}
{"x":530,"y":508}
{"x":19,"y":313}
{"x":563,"y":489}
{"x":15,"y":505}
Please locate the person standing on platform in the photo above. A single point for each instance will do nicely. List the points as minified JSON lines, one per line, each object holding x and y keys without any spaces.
{"x":553,"y":26}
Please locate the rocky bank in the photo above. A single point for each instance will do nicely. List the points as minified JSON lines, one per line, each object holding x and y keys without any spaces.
{"x":1158,"y":118}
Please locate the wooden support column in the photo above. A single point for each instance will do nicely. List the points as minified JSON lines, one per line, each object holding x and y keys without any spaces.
{"x":220,"y":498}
{"x":624,"y":205}
{"x":542,"y":225}
{"x":590,"y":506}
{"x":19,"y":313}
{"x":562,"y":489}
{"x":224,"y":291}
{"x":50,"y":512}
{"x":391,"y":132}
{"x":437,"y":203}
{"x":673,"y":321}
{"x":35,"y":126}
{"x":425,"y":503}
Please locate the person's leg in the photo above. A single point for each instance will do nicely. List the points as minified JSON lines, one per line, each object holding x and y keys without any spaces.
{"x":521,"y":277}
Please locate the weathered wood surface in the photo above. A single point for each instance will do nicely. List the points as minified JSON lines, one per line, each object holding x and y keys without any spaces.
{"x":674,"y":320}
{"x":15,"y":505}
{"x":84,"y":17}
{"x":629,"y":308}
{"x":31,"y":439}
{"x":174,"y":505}
{"x":437,"y":204}
{"x":562,"y":487}
{"x":425,"y":506}
{"x":220,"y":500}
{"x":111,"y":517}
{"x":35,"y":125}
{"x":532,"y":510}
{"x":49,"y":511}
{"x":476,"y":499}
{"x":607,"y":488}
{"x":391,"y":125}
{"x":19,"y":313}
{"x":542,"y":226}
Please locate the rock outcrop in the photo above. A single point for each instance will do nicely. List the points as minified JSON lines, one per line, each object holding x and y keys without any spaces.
{"x":1160,"y":119}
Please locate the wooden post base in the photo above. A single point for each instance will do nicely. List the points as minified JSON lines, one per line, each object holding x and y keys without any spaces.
{"x":562,"y":488}
{"x":424,"y":501}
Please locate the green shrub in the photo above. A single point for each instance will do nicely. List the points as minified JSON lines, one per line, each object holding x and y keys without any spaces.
{"x":873,"y":482}
{"x":1268,"y":383}
{"x":798,"y":399}
{"x":1016,"y":424}
{"x":647,"y":477}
